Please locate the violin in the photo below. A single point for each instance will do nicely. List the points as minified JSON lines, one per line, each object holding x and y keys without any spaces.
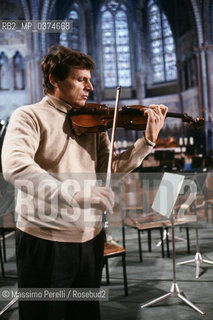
{"x":99,"y":117}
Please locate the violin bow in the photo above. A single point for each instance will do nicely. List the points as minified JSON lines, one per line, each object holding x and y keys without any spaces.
{"x":110,"y":159}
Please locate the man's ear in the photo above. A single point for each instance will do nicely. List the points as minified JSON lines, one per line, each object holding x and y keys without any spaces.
{"x":53,"y":81}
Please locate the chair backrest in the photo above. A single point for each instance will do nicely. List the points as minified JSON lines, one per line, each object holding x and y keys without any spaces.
{"x":130,"y":192}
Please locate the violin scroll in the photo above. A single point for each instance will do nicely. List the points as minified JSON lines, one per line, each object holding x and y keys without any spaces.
{"x":196,"y":123}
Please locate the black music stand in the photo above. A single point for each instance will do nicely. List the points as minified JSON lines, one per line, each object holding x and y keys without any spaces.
{"x":170,"y":185}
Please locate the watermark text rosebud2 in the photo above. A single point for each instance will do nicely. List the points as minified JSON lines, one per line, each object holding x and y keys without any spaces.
{"x":47,"y":200}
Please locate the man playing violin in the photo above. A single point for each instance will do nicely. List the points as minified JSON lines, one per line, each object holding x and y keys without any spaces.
{"x":59,"y":244}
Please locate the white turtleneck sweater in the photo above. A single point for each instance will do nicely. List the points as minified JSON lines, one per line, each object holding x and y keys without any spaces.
{"x":48,"y":163}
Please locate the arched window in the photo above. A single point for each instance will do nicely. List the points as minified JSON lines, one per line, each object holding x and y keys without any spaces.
{"x":162,"y":47}
{"x":4,"y":72}
{"x":115,"y":45}
{"x":18,"y":71}
{"x":72,"y":39}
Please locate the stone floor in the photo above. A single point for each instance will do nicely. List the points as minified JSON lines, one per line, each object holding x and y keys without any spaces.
{"x":146,"y":281}
{"x":154,"y":277}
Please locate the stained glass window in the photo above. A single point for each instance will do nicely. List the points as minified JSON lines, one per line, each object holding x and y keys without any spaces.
{"x":115,"y":45}
{"x":162,"y":47}
{"x":72,"y":39}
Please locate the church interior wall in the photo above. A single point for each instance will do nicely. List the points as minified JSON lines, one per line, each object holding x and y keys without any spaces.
{"x":143,"y":91}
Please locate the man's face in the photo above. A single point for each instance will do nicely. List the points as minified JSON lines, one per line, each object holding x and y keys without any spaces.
{"x":75,"y":88}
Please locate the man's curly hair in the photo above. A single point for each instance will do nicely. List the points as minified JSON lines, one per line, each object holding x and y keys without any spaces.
{"x":59,"y":61}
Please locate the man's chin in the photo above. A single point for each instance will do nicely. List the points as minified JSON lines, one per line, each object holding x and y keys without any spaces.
{"x":78,"y":104}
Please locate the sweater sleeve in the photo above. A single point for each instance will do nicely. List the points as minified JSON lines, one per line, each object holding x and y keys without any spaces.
{"x":18,"y":160}
{"x":126,"y":161}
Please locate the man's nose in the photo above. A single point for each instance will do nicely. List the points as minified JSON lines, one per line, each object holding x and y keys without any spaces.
{"x":89,"y":86}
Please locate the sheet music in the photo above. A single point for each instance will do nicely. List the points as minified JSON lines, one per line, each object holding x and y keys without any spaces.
{"x":167,"y":193}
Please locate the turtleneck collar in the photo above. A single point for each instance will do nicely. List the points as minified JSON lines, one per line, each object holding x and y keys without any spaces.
{"x":57,"y":103}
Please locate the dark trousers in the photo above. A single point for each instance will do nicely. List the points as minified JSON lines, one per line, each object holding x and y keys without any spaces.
{"x":48,"y":264}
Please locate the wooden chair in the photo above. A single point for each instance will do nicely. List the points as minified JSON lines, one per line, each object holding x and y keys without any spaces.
{"x":7,"y":221}
{"x":7,"y":229}
{"x":133,"y":207}
{"x":112,"y":251}
{"x":2,"y":262}
{"x":134,"y":217}
{"x":148,"y":225}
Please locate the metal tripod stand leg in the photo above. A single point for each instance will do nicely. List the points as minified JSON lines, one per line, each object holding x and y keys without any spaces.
{"x":14,"y":300}
{"x":174,"y":291}
{"x":198,"y":260}
{"x":166,"y":235}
